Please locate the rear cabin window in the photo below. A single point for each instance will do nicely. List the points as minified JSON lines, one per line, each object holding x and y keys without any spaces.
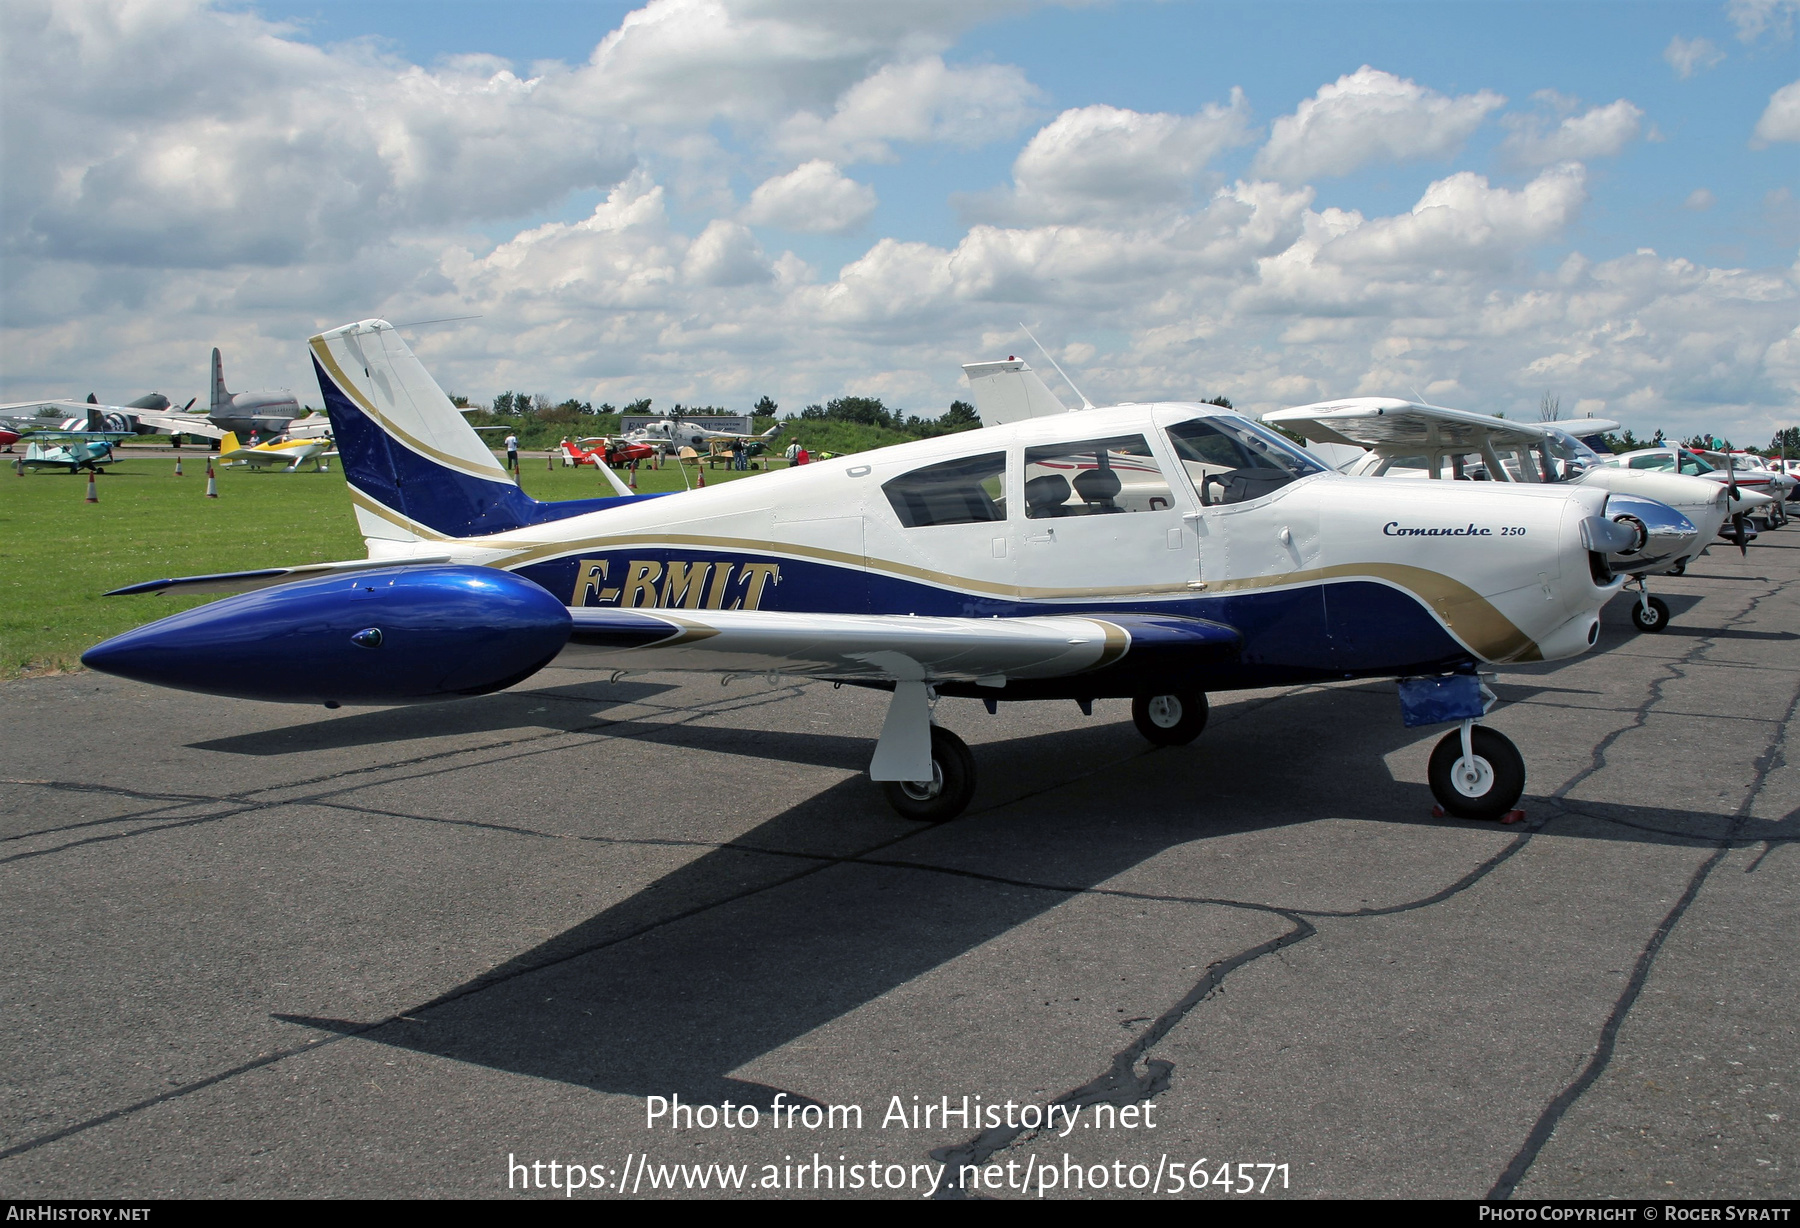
{"x":961,"y":491}
{"x":1234,"y":461}
{"x":1095,"y":477}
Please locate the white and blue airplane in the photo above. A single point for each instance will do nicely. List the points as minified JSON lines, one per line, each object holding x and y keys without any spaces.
{"x":1151,"y":551}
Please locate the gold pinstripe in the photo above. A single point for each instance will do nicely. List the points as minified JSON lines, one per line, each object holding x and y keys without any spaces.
{"x":1471,"y":617}
{"x":491,"y":474}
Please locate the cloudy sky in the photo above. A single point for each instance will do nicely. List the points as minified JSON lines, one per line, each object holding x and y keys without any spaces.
{"x":712,"y":200}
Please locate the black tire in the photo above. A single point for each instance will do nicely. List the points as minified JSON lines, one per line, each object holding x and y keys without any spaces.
{"x":1680,"y":568}
{"x":948,"y":792}
{"x":1172,"y":719}
{"x":1656,"y":618}
{"x":1502,"y":774}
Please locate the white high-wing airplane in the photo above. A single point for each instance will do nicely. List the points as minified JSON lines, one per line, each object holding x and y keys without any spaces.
{"x":674,"y":432}
{"x":1413,"y":440}
{"x":1156,"y":552}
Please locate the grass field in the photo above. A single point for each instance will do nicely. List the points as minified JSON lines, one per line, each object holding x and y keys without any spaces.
{"x":58,"y":554}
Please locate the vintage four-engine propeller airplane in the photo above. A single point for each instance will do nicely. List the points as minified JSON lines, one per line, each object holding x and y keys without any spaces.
{"x":1155,"y":551}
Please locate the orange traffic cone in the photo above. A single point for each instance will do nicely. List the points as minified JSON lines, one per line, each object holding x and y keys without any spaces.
{"x":177,"y":466}
{"x":701,"y":470}
{"x":631,"y":481}
{"x":93,"y":494}
{"x":212,"y":483}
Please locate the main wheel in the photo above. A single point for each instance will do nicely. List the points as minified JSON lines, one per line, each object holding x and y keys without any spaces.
{"x":1486,"y":789}
{"x":1680,"y":568}
{"x":1656,"y":618}
{"x":947,"y":793}
{"x":1170,"y":720}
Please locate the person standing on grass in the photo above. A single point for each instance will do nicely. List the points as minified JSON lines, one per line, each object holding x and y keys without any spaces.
{"x":512,"y":454}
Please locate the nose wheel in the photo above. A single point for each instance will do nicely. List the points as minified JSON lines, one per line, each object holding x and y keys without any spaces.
{"x":1476,"y":773}
{"x":947,"y":793}
{"x":1650,"y":613}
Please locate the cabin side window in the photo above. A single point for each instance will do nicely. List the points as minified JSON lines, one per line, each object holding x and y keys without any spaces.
{"x":966,"y":490}
{"x":1236,"y":461}
{"x":1094,"y":477}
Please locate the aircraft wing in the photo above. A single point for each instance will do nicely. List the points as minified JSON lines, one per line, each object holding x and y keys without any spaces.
{"x":1391,"y":426}
{"x":249,"y":581}
{"x":890,"y":647}
{"x":175,"y":424}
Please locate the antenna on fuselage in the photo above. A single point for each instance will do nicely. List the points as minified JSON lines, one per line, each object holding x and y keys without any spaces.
{"x":1085,"y":403}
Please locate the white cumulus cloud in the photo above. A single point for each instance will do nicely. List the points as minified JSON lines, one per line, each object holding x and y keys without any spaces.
{"x":815,"y":197}
{"x":1104,"y":161}
{"x":1754,"y":18}
{"x":1599,"y":133}
{"x":1370,"y":116}
{"x":923,"y":100}
{"x":1687,"y":55}
{"x":1781,"y":118}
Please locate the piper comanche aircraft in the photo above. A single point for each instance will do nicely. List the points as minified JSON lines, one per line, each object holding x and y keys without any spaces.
{"x":1679,"y":515}
{"x":1155,"y":552}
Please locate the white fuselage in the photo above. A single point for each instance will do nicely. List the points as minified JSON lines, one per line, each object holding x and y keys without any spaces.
{"x":1500,"y":569}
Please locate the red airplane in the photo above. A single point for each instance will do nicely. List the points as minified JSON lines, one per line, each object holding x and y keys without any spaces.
{"x":614,"y":452}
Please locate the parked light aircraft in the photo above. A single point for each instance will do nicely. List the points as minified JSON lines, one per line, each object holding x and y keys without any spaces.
{"x":1156,"y":552}
{"x":1742,"y":502}
{"x":72,"y":451}
{"x":286,"y":451}
{"x":1751,"y":473}
{"x":1680,"y":515}
{"x":672,"y":433}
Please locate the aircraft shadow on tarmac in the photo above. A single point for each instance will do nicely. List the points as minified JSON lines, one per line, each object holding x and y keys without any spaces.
{"x":756,"y":943}
{"x":569,"y":708}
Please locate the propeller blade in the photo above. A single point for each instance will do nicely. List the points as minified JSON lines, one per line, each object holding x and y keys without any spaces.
{"x":189,"y":405}
{"x":1743,"y":541}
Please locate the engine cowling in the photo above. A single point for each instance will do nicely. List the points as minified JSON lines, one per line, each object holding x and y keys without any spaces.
{"x":394,"y":636}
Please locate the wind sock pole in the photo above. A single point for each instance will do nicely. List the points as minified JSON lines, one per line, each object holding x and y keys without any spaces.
{"x":212,"y":483}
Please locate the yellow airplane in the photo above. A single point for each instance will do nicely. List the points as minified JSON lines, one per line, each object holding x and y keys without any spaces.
{"x":283,"y":450}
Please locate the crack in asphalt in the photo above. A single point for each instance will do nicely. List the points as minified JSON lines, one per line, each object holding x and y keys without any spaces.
{"x":1551,"y":1117}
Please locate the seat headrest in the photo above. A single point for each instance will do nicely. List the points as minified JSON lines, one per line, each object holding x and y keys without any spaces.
{"x":1095,"y":485}
{"x":1050,"y":490}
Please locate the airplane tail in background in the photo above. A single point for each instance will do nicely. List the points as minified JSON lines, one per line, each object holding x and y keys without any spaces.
{"x":1010,"y":391}
{"x":771,"y":432}
{"x":221,"y":399}
{"x":417,"y":470}
{"x":229,"y":443}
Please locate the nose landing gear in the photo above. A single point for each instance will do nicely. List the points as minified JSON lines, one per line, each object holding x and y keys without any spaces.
{"x":1476,"y":772}
{"x":1650,"y":613}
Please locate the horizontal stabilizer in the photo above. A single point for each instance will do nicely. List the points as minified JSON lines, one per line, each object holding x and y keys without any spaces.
{"x":249,"y":581}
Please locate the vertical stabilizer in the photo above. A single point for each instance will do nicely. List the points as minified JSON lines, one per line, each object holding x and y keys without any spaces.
{"x":221,"y":400}
{"x":417,"y":470}
{"x":1010,"y":391}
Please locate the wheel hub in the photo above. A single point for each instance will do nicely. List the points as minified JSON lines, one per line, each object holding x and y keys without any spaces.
{"x":1472,"y":776}
{"x":1165,"y":711}
{"x":925,"y":790}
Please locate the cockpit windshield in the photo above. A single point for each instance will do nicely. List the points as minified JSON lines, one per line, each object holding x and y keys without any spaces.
{"x":1572,"y":457}
{"x":1234,"y":460}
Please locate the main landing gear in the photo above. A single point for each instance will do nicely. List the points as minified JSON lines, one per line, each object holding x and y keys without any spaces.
{"x":1476,"y":772}
{"x":947,"y":793}
{"x":1174,"y":719}
{"x":1650,"y":613}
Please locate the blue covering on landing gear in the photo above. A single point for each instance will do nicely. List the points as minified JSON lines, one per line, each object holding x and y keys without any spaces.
{"x":1433,"y":701}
